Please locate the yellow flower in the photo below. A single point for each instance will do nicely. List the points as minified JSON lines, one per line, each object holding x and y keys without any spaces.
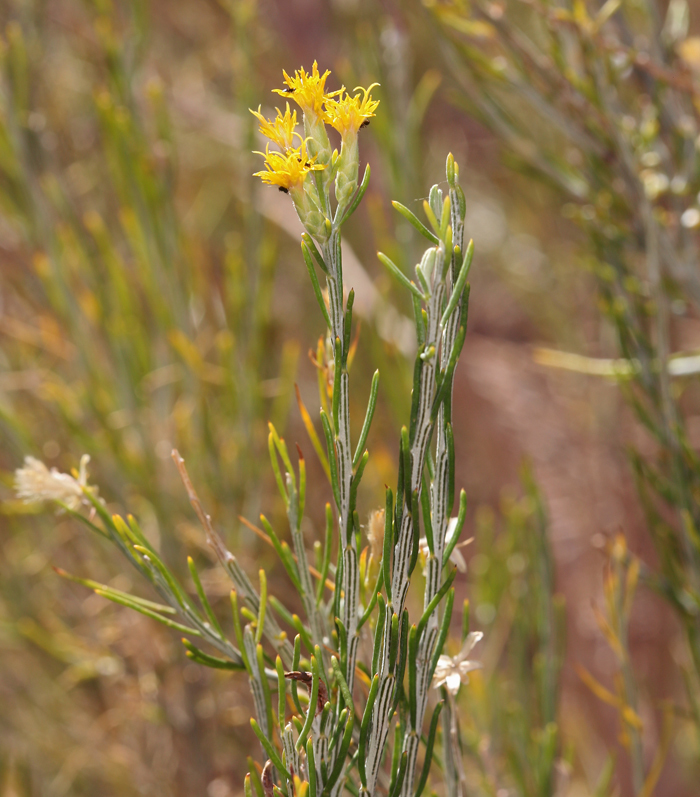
{"x":282,"y":130}
{"x":287,"y":170}
{"x":348,"y":114}
{"x":307,"y":90}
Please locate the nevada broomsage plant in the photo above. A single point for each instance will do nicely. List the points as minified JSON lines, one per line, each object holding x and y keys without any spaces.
{"x":367,"y":664}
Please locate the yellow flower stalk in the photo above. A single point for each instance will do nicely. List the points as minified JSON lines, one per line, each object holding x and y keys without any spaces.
{"x":281,"y":130}
{"x":347,"y":115}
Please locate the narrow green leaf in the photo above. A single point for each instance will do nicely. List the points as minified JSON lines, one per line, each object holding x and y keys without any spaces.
{"x":428,"y":760}
{"x":445,"y":218}
{"x":444,"y":631}
{"x":415,"y":396}
{"x":95,"y":585}
{"x":430,"y":608}
{"x":300,"y":628}
{"x":394,"y":641}
{"x":238,"y":632}
{"x":388,"y":541}
{"x":371,"y":405}
{"x":340,"y":761}
{"x":269,"y":748}
{"x":443,"y":394}
{"x":373,"y":600}
{"x":342,"y":683}
{"x":276,"y":469}
{"x":203,"y":598}
{"x":458,"y":287}
{"x":418,"y":316}
{"x":311,"y":246}
{"x":450,"y":441}
{"x":281,"y":446}
{"x":283,"y":552}
{"x":364,"y":728}
{"x":326,"y":555}
{"x":311,"y":767}
{"x":313,"y":702}
{"x":263,"y":606}
{"x":427,"y":520}
{"x":337,"y":381}
{"x":330,"y":445}
{"x":451,"y":177}
{"x":454,"y":539}
{"x":176,"y":590}
{"x":412,"y":673}
{"x":302,"y":487}
{"x":415,"y":514}
{"x":416,"y":222}
{"x":281,"y":610}
{"x":465,"y":619}
{"x":143,"y":610}
{"x":378,"y":635}
{"x":281,"y":693}
{"x":403,"y":656}
{"x":138,"y":533}
{"x":432,"y":218}
{"x":311,"y":431}
{"x":315,"y":285}
{"x":265,"y":685}
{"x":400,"y":276}
{"x":355,"y":482}
{"x":395,"y":789}
{"x":296,"y":659}
{"x":358,"y":197}
{"x":84,"y":520}
{"x":348,"y":326}
{"x":200,"y":657}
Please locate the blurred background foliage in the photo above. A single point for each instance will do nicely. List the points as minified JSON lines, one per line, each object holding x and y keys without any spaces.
{"x":152,"y":296}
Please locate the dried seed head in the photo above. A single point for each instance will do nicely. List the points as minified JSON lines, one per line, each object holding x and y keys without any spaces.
{"x":35,"y":482}
{"x":307,"y":679}
{"x":266,"y":778}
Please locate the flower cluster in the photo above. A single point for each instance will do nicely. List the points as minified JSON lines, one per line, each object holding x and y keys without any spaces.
{"x":305,"y":166}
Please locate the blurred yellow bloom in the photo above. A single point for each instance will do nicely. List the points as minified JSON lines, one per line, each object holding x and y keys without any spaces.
{"x":282,"y":131}
{"x":348,"y":114}
{"x":307,"y":90}
{"x":287,"y":170}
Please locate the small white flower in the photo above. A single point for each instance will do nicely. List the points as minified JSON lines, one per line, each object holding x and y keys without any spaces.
{"x":35,"y":482}
{"x":456,"y":556}
{"x":453,"y":672}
